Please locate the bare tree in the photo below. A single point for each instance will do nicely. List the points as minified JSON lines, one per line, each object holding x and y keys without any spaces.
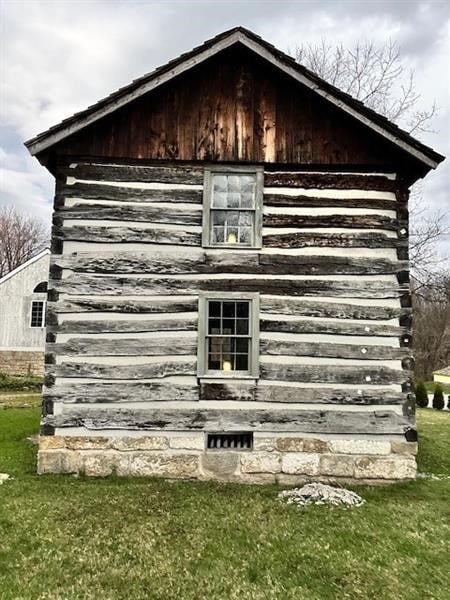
{"x":431,"y":306}
{"x":376,"y":76}
{"x":21,"y":237}
{"x":373,"y":74}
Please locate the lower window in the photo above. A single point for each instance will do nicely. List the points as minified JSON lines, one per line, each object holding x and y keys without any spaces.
{"x":37,"y":314}
{"x":228,"y":335}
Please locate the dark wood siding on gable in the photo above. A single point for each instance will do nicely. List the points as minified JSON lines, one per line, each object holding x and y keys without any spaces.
{"x":233,"y":108}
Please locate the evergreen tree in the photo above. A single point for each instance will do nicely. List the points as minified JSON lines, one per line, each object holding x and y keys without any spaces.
{"x":438,"y":397}
{"x":421,"y":395}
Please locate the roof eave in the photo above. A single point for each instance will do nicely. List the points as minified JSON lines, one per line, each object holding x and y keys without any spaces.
{"x":44,"y":141}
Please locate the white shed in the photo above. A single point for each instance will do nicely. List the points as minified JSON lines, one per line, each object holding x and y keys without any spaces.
{"x":23,"y":296}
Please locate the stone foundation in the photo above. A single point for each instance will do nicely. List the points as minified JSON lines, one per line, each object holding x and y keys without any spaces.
{"x":284,"y":460}
{"x":22,"y":362}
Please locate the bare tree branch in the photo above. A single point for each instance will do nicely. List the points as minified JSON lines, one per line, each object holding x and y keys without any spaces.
{"x":21,"y":237}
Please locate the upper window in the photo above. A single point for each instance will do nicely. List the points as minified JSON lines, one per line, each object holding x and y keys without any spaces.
{"x":37,"y":314}
{"x":232,"y":207}
{"x":228,"y":337}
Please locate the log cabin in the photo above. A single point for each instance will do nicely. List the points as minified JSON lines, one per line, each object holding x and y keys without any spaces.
{"x":229,"y":292}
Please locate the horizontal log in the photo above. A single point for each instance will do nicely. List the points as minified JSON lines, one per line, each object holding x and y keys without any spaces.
{"x":329,"y":327}
{"x":124,"y":326}
{"x":180,"y":262}
{"x":315,"y":202}
{"x":81,"y":284}
{"x":124,"y":235}
{"x":317,"y":421}
{"x":331,"y":374}
{"x":93,"y":191}
{"x":332,"y":310}
{"x":325,"y":395}
{"x":132,"y":173}
{"x":119,"y":305}
{"x":165,"y":368}
{"x":161,"y":346}
{"x":356,"y":221}
{"x":324,"y":181}
{"x":78,"y":393}
{"x":145,"y":213}
{"x":304,"y":239}
{"x":326,"y":350}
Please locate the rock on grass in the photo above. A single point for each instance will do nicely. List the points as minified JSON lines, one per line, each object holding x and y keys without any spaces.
{"x":319,"y":493}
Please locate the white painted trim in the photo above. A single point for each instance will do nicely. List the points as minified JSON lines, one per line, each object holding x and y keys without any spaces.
{"x":181,"y":206}
{"x":113,"y":360}
{"x":228,"y":405}
{"x":237,"y":36}
{"x":326,"y":211}
{"x":140,"y":185}
{"x":123,"y":316}
{"x":27,"y":263}
{"x":270,"y":316}
{"x":129,"y":335}
{"x":335,"y":338}
{"x":218,"y":276}
{"x":301,"y":361}
{"x":392,"y":176}
{"x":279,"y":230}
{"x":330,"y":193}
{"x":382,"y":303}
{"x":135,"y":224}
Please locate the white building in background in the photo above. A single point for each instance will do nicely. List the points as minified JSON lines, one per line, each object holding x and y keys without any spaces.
{"x":23,"y":296}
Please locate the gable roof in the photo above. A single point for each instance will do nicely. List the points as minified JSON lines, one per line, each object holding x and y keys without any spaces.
{"x":445,"y":371}
{"x":24,"y":265}
{"x":237,"y":35}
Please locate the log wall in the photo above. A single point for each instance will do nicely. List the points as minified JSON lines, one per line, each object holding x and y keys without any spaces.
{"x":126,"y":270}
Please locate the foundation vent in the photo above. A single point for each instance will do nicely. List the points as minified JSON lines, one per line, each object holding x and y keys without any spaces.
{"x":229,"y":441}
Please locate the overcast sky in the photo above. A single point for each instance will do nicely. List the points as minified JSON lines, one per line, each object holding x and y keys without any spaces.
{"x":59,"y":56}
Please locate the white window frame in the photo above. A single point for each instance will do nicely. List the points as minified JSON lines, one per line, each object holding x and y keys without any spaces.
{"x":257,"y":210}
{"x":202,"y":353}
{"x":44,"y":307}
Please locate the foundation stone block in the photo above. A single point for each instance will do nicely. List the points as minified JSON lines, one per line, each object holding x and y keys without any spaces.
{"x":166,"y":465}
{"x":86,"y":443}
{"x":220,"y":463}
{"x":188,"y":443}
{"x":261,"y":462}
{"x":126,"y":444}
{"x":404,"y":447}
{"x":360,"y":447}
{"x":377,"y":467}
{"x":51,"y":442}
{"x":337,"y":465}
{"x":301,"y":463}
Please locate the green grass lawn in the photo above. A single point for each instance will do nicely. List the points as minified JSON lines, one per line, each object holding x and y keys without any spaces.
{"x":67,"y":537}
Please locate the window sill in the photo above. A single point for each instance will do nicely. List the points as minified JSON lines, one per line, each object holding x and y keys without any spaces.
{"x":227,"y":379}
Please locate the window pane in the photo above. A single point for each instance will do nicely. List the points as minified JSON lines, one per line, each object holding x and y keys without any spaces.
{"x":242,"y":362}
{"x":214,"y":326}
{"x":37,"y":314}
{"x":218,"y":236}
{"x":242,"y":309}
{"x":229,"y":309}
{"x":233,"y":191}
{"x":232,"y":227}
{"x":242,"y":345}
{"x":214,"y":309}
{"x":242,"y":326}
{"x":229,"y":327}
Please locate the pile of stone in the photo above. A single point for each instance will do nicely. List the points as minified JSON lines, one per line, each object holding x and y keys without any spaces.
{"x":319,"y":493}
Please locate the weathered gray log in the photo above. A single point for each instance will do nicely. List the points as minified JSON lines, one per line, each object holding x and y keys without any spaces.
{"x":317,"y":421}
{"x":87,"y":284}
{"x":146,"y":213}
{"x":181,"y":262}
{"x":308,"y":201}
{"x":161,"y":346}
{"x":330,"y":327}
{"x":330,"y":373}
{"x":124,"y":235}
{"x":357,"y":221}
{"x":93,"y":191}
{"x":133,"y":173}
{"x":78,"y":393}
{"x":228,"y":391}
{"x":300,"y":307}
{"x":165,"y":368}
{"x":330,"y":181}
{"x":304,"y":239}
{"x":117,"y":305}
{"x":326,"y":350}
{"x":318,"y":395}
{"x":124,"y":326}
